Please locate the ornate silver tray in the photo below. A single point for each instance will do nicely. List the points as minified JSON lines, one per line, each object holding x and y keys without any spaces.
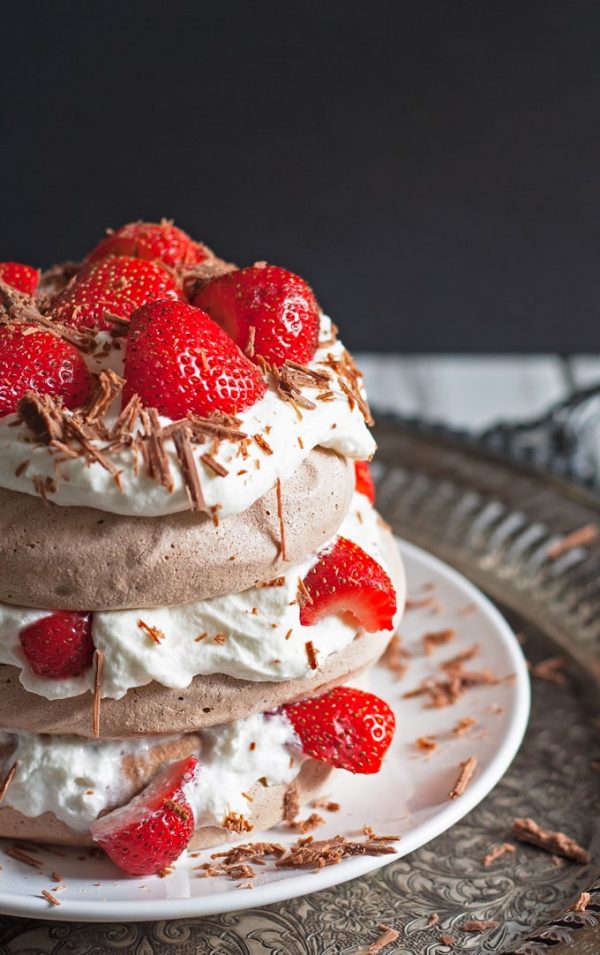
{"x":492,"y":517}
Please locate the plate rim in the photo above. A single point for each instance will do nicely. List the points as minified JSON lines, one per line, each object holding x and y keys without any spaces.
{"x":75,"y":910}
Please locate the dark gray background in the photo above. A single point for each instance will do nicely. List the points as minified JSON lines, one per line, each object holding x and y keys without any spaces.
{"x":432,"y":168}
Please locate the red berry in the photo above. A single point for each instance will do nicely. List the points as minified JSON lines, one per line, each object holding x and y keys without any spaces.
{"x":346,"y":728}
{"x":22,"y":277}
{"x":117,"y":286}
{"x":346,"y":579}
{"x":154,"y":241}
{"x":152,"y":830}
{"x":59,"y":645}
{"x":32,"y":359}
{"x":364,"y":480}
{"x":278,"y":304}
{"x":180,"y":362}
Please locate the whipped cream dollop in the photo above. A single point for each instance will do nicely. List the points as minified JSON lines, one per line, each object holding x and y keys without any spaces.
{"x":252,"y":635}
{"x":286,"y":435}
{"x":77,"y":779}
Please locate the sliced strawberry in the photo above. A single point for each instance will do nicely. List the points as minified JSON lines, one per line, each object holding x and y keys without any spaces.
{"x":346,"y":728}
{"x":114,"y":286}
{"x":152,"y":830}
{"x":364,"y":480}
{"x":180,"y":362}
{"x":32,"y":359}
{"x":279,"y":305}
{"x":154,"y":241}
{"x":347,"y":580}
{"x":22,"y":277}
{"x":59,"y":645}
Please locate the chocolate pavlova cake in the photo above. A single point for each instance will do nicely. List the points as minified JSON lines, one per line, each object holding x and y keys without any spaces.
{"x":192,"y":568}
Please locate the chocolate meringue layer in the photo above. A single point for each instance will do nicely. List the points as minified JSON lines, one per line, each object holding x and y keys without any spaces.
{"x":75,"y":558}
{"x":267,"y":810}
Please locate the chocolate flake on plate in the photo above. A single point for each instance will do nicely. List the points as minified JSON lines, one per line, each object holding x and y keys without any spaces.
{"x":307,"y":825}
{"x":463,"y":726}
{"x":16,"y":852}
{"x":50,"y":898}
{"x":467,"y":769}
{"x":437,"y":639}
{"x":556,"y":843}
{"x":308,"y":854}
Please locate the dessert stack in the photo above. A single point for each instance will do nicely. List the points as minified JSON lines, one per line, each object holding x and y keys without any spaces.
{"x":193,"y":571}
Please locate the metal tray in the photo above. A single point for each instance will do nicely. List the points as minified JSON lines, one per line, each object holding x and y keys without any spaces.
{"x":492,"y":518}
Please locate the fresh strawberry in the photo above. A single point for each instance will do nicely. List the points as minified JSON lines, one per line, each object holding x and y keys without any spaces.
{"x":154,"y":241}
{"x":152,"y":830}
{"x":346,"y":728}
{"x":114,"y":286}
{"x":32,"y":359}
{"x":180,"y":362}
{"x":364,"y":480}
{"x":59,"y":645}
{"x":279,"y":305}
{"x":22,"y":277}
{"x":346,"y":579}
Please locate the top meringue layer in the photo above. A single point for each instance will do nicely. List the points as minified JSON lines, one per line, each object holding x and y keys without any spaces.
{"x":281,"y":435}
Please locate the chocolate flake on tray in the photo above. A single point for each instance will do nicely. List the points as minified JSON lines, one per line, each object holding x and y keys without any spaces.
{"x":552,"y":670}
{"x":479,"y":925}
{"x":388,"y":936}
{"x":496,"y":852}
{"x":556,"y":843}
{"x":578,"y":538}
{"x":580,"y":904}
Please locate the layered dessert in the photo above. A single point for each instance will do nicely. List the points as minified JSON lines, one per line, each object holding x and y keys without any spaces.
{"x":193,"y":570}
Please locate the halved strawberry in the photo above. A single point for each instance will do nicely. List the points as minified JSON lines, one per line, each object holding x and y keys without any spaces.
{"x":178,"y":361}
{"x":346,"y":728}
{"x":346,"y":579}
{"x":114,"y":286}
{"x":154,"y":241}
{"x":32,"y":359}
{"x":279,"y":305}
{"x":59,"y":645}
{"x":152,"y":830}
{"x":22,"y":277}
{"x":364,"y":480}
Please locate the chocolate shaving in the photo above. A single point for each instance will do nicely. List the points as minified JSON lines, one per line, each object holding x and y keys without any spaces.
{"x":479,"y":925}
{"x":467,"y":769}
{"x":98,"y":667}
{"x":303,"y":594}
{"x":56,"y":278}
{"x":578,"y":538}
{"x":183,"y":447}
{"x":447,"y":939}
{"x":197,"y":276}
{"x":323,"y":803}
{"x":433,"y":920}
{"x":389,"y":935}
{"x":280,"y":516}
{"x":214,"y":465}
{"x":311,"y":822}
{"x":275,"y":582}
{"x":8,"y":780}
{"x":426,"y":743}
{"x":580,"y":904}
{"x":556,"y":843}
{"x":437,"y":639}
{"x":496,"y":852}
{"x":249,"y":349}
{"x":551,"y":670}
{"x":107,"y":388}
{"x":16,"y":852}
{"x":236,"y":822}
{"x":263,"y":444}
{"x":250,"y":852}
{"x":463,"y":726}
{"x":395,"y":657}
{"x":18,"y":308}
{"x":51,"y":898}
{"x":43,"y":415}
{"x":311,"y":653}
{"x":123,"y":426}
{"x":157,"y":460}
{"x":308,"y":854}
{"x":156,"y":635}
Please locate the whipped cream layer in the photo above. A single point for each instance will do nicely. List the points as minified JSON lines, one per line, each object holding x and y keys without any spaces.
{"x":253,"y":635}
{"x":290,"y":434}
{"x":77,"y":779}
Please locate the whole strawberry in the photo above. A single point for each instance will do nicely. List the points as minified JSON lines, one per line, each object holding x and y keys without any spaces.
{"x":277,"y":304}
{"x":22,"y":277}
{"x":152,"y":830}
{"x":179,"y":362}
{"x":32,"y":359}
{"x":346,"y":728}
{"x":154,"y":241}
{"x":115,"y":286}
{"x":59,"y":645}
{"x":364,"y":480}
{"x":346,"y":579}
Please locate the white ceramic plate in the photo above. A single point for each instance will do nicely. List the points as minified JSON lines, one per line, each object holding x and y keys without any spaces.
{"x":409,"y":796}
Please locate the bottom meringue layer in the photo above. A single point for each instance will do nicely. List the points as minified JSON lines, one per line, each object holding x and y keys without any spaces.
{"x":76,"y":779}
